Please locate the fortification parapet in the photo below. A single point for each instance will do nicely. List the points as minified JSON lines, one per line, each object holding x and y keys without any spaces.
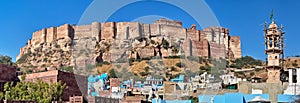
{"x":107,"y":30}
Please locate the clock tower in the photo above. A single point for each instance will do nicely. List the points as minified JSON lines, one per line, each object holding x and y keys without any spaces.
{"x":274,"y":46}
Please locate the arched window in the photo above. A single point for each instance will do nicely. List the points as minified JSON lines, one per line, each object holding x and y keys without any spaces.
{"x":270,"y":42}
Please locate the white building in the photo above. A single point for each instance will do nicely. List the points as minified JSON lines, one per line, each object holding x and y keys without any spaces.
{"x":229,"y":79}
{"x":294,"y":82}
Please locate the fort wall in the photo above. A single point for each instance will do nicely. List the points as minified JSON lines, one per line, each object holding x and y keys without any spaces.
{"x":121,"y":37}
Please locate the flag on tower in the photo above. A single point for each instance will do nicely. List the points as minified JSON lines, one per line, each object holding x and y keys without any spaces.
{"x":272,"y":14}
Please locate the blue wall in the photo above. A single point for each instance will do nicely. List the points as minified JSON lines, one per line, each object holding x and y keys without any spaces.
{"x":230,"y":98}
{"x":171,"y":101}
{"x":286,"y":98}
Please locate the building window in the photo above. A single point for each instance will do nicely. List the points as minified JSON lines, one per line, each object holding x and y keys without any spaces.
{"x":294,"y":76}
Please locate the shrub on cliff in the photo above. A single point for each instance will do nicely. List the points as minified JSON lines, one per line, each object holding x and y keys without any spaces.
{"x":102,"y":63}
{"x":180,"y":65}
{"x":130,"y":61}
{"x":165,"y":43}
{"x":147,"y":68}
{"x":143,"y":74}
{"x":173,"y":69}
{"x":245,"y":61}
{"x":112,"y":73}
{"x":202,"y":68}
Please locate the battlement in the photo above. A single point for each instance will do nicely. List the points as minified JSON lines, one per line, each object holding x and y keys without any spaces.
{"x":40,"y":32}
{"x":172,"y":31}
{"x":215,"y":34}
{"x":96,"y":30}
{"x":82,"y":31}
{"x":51,"y":34}
{"x":164,"y":21}
{"x":88,"y":31}
{"x":117,"y":30}
{"x":107,"y":30}
{"x":193,"y":33}
{"x":39,"y":37}
{"x":48,"y":35}
{"x":126,"y":30}
{"x":64,"y":31}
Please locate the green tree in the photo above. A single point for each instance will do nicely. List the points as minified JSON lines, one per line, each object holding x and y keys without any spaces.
{"x":4,"y":59}
{"x":34,"y":91}
{"x":1,"y":95}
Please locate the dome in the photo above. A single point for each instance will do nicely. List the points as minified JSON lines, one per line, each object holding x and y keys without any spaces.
{"x":273,"y":25}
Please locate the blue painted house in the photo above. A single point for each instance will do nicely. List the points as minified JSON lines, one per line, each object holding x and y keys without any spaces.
{"x":231,"y":98}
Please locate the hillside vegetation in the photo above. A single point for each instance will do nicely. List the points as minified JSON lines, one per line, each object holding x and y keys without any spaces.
{"x":166,"y":68}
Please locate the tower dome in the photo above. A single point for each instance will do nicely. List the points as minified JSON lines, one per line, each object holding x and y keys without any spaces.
{"x":273,"y":25}
{"x":273,"y":29}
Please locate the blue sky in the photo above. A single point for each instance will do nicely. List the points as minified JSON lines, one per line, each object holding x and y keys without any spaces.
{"x":244,"y":18}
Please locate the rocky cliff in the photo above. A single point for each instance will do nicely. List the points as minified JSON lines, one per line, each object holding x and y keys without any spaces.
{"x":80,"y":46}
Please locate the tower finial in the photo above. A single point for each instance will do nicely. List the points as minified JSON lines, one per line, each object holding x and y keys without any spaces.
{"x":273,"y":22}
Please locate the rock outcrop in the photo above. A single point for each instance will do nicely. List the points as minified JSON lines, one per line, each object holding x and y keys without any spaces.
{"x":79,"y":46}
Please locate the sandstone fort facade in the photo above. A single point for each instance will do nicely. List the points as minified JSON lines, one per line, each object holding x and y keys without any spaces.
{"x":111,"y":41}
